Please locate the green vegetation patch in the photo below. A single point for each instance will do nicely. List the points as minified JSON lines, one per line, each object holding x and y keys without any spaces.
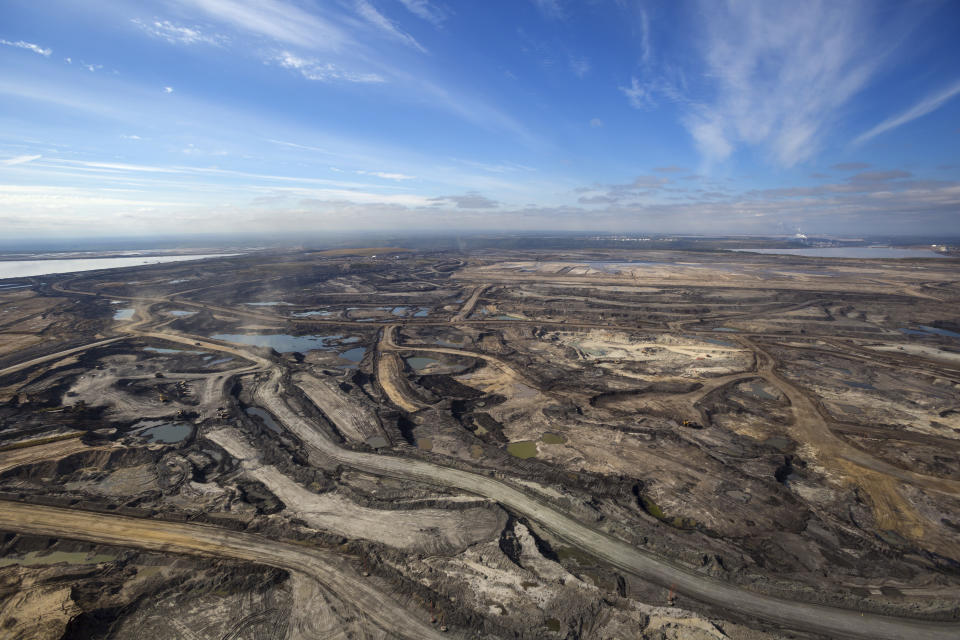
{"x":574,"y":554}
{"x":677,"y":522}
{"x":523,"y":449}
{"x":652,"y":508}
{"x":552,"y":438}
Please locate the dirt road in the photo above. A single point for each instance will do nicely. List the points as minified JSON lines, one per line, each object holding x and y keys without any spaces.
{"x":56,"y":356}
{"x":471,"y":302}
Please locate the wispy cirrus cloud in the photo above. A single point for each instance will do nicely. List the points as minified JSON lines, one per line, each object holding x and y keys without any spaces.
{"x":313,"y":69}
{"x":639,"y":95}
{"x":580,"y":66}
{"x":780,"y":73}
{"x":928,"y":105}
{"x":9,"y":162}
{"x":774,"y":76}
{"x":278,"y":20}
{"x":29,"y":46}
{"x":176,"y":34}
{"x":646,"y":47}
{"x":387,"y":26}
{"x":426,"y":10}
{"x":550,"y":8}
{"x":386,"y":175}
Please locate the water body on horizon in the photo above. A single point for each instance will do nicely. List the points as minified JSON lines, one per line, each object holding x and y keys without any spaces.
{"x":27,"y":268}
{"x":852,"y":252}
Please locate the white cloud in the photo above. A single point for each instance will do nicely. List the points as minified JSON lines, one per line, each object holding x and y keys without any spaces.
{"x":19,"y":160}
{"x":117,"y":166}
{"x":312,"y":69}
{"x":20,"y":44}
{"x":131,"y":137}
{"x":596,"y":123}
{"x":387,"y":176}
{"x":64,"y":198}
{"x":168,"y":89}
{"x":275,"y":19}
{"x":68,"y":60}
{"x":295,"y":145}
{"x":781,"y":72}
{"x":579,"y":66}
{"x":175,"y":34}
{"x":707,"y":130}
{"x":471,"y":200}
{"x":164,"y":176}
{"x":645,"y":45}
{"x":92,"y":67}
{"x":426,"y":10}
{"x":640,"y":96}
{"x":377,"y":19}
{"x":550,"y":8}
{"x":927,"y":105}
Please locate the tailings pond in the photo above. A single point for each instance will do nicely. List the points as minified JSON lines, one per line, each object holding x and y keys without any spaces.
{"x":24,"y":268}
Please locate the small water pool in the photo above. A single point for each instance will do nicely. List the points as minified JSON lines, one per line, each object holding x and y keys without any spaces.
{"x":924,"y":330}
{"x":419,"y":363}
{"x":354,"y":355}
{"x":164,"y":432}
{"x":310,"y":314}
{"x":719,"y":343}
{"x":283,"y":342}
{"x":265,"y":417}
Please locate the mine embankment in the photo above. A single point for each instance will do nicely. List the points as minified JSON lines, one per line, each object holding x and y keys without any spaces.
{"x":356,"y":422}
{"x":432,"y":531}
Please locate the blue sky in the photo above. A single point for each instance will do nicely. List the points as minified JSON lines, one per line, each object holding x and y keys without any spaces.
{"x":286,"y":115}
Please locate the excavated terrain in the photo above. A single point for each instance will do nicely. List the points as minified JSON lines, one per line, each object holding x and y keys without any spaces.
{"x":391,"y":443}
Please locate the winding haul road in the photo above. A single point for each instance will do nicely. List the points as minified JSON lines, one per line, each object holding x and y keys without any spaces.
{"x":164,"y":536}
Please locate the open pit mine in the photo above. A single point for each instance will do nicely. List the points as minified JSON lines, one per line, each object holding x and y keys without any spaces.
{"x":385,"y":443}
